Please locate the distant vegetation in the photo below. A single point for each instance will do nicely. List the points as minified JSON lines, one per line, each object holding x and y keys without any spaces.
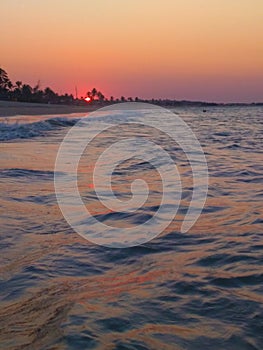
{"x":21,"y":92}
{"x":25,"y":93}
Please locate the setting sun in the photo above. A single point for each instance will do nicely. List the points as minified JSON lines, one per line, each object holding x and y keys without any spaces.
{"x":87,"y":99}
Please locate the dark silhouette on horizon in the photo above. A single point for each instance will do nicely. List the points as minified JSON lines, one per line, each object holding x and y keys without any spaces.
{"x":20,"y":92}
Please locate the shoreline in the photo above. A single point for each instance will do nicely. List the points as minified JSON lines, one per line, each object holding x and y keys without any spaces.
{"x":10,"y":109}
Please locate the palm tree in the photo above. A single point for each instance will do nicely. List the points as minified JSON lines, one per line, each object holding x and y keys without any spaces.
{"x":18,"y":84}
{"x":9,"y":85}
{"x":50,"y":96}
{"x":101,"y":97}
{"x":26,"y":93}
{"x":4,"y":80}
{"x":94,"y":93}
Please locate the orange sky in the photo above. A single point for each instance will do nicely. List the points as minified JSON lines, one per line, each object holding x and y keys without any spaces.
{"x":185,"y":49}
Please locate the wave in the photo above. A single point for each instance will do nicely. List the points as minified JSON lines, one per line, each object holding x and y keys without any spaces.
{"x":27,"y":173}
{"x":26,"y":131}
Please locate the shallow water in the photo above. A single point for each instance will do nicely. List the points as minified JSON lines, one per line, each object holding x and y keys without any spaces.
{"x":198,"y":290}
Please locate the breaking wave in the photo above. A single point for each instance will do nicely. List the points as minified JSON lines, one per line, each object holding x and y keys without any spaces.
{"x":13,"y":131}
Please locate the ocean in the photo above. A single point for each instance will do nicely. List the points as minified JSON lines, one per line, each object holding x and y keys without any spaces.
{"x":200,"y":289}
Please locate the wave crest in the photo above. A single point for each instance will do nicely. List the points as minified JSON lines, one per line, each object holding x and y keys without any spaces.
{"x":26,"y":131}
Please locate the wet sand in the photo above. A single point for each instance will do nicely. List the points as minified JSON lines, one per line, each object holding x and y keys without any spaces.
{"x":8,"y":109}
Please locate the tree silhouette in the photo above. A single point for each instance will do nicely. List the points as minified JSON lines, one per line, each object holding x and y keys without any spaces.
{"x":26,"y":93}
{"x":50,"y":96}
{"x":101,"y":97}
{"x":89,"y":94}
{"x":19,"y":84}
{"x":94,"y":93}
{"x":4,"y":80}
{"x":5,"y":84}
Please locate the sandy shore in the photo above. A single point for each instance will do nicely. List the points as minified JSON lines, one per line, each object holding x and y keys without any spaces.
{"x":8,"y":109}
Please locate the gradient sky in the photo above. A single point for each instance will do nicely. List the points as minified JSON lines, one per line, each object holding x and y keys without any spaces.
{"x":184,"y":49}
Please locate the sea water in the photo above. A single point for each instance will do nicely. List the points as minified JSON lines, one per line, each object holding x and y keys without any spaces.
{"x":197,"y":290}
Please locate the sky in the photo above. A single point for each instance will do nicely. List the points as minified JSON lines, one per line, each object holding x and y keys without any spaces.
{"x":209,"y":50}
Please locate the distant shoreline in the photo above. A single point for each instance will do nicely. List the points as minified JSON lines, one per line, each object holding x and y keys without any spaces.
{"x":10,"y":108}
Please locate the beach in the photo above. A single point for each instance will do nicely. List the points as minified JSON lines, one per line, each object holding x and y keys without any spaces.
{"x":9,"y":108}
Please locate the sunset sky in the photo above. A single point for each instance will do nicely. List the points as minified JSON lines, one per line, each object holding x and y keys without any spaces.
{"x":208,"y":50}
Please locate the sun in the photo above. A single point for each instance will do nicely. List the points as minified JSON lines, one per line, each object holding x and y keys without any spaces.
{"x":88,"y":99}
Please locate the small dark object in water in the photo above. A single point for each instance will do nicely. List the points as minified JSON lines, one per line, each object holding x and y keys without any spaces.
{"x":204,"y":110}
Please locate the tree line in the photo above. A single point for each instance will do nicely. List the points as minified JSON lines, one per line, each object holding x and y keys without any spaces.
{"x":21,"y":92}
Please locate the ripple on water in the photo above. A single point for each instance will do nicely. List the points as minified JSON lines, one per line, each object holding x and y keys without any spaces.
{"x":199,"y":290}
